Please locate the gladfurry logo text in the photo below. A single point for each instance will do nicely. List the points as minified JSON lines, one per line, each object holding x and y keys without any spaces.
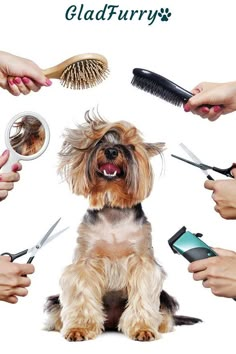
{"x":114,"y":12}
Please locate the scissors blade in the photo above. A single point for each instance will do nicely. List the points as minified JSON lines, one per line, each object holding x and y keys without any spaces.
{"x":30,"y":250}
{"x":195,"y":159}
{"x":36,"y":248}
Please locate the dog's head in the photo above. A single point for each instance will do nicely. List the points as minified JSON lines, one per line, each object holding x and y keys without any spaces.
{"x":108,"y":162}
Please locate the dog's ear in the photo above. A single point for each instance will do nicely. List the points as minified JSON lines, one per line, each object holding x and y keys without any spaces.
{"x":154,"y":149}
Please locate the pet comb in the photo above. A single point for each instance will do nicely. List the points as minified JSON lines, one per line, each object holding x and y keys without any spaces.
{"x":159,"y":86}
{"x":80,"y":72}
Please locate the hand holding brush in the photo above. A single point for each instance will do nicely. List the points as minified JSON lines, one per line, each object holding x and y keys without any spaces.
{"x":163,"y":88}
{"x":78,"y":72}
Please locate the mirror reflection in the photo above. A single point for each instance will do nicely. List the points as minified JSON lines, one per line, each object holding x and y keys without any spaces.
{"x":27,"y":135}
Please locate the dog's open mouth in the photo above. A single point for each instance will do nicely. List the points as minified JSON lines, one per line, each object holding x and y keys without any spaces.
{"x":109,"y":170}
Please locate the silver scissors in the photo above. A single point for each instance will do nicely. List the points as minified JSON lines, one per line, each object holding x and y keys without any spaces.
{"x":33,"y":250}
{"x":196,"y":162}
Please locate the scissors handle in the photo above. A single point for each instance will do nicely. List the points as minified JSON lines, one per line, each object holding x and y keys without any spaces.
{"x":225,"y":171}
{"x":15,"y":255}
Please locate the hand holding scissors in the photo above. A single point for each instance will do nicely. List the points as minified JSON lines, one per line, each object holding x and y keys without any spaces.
{"x":33,"y":250}
{"x":197,"y":163}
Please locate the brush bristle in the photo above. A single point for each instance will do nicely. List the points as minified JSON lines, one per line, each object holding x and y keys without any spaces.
{"x":155,"y":89}
{"x":84,"y":74}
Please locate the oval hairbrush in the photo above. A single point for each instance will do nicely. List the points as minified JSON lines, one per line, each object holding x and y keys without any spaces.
{"x":80,"y":72}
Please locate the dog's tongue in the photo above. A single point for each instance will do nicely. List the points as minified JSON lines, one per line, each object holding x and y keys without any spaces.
{"x":109,"y":168}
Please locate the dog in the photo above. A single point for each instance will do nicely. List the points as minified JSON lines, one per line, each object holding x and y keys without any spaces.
{"x":114,"y":281}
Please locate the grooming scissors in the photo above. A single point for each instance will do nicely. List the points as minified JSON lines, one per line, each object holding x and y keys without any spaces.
{"x":33,"y":250}
{"x":197,"y":163}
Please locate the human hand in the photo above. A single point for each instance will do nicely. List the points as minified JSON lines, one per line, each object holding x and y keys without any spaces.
{"x":7,"y":179}
{"x":221,"y":96}
{"x":217,"y":273}
{"x":13,"y":282}
{"x":224,"y":195}
{"x":19,"y":75}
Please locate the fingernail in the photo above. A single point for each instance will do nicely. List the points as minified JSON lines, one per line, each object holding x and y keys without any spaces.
{"x":26,"y":80}
{"x":205,"y":110}
{"x":15,"y":167}
{"x":186,"y":108}
{"x":17,"y":80}
{"x":216,"y":109}
{"x":10,"y":81}
{"x":48,"y":82}
{"x":4,"y":152}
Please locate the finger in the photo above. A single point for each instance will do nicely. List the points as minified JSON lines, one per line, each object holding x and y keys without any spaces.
{"x":200,"y":275}
{"x":3,"y":195}
{"x":5,"y":258}
{"x":21,"y":86}
{"x":20,"y":291}
{"x":25,"y":269}
{"x":210,"y":185}
{"x":206,"y":284}
{"x":4,"y":157}
{"x":6,"y":186}
{"x":31,"y":85}
{"x":198,"y":266}
{"x":23,"y":282}
{"x":224,"y":253}
{"x":9,"y":177}
{"x":12,"y":87}
{"x":16,"y":167}
{"x":11,"y":299}
{"x":233,"y":172}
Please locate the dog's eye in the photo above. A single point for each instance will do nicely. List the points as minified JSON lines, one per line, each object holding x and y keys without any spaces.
{"x":99,"y":142}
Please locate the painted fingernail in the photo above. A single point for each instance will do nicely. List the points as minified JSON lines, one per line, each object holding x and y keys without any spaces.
{"x":26,"y":80}
{"x":186,"y":108}
{"x":216,"y":109}
{"x":10,"y":81}
{"x":4,"y":152}
{"x":48,"y":82}
{"x":17,"y":80}
{"x":15,"y":167}
{"x":205,"y":110}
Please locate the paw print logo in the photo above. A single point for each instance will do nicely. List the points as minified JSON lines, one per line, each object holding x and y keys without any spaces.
{"x":164,"y":14}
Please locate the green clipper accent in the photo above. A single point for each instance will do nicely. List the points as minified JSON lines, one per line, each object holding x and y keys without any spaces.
{"x":188,"y":241}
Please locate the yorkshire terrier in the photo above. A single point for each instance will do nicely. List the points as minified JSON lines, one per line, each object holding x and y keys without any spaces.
{"x":114,"y":281}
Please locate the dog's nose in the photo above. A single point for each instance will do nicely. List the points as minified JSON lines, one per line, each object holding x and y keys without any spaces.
{"x":111,"y":153}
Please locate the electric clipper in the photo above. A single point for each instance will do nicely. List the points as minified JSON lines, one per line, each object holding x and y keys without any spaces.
{"x":190,"y":245}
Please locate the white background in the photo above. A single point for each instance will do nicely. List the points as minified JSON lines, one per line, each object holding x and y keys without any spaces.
{"x":196,"y":44}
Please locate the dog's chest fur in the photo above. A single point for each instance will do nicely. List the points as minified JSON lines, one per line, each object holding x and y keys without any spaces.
{"x":114,"y":232}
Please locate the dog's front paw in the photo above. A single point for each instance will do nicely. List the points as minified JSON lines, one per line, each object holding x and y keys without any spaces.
{"x":80,"y":334}
{"x":144,"y":335}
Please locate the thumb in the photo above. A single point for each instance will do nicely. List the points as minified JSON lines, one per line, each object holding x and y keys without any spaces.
{"x":209,"y":184}
{"x":4,"y":157}
{"x":222,"y":252}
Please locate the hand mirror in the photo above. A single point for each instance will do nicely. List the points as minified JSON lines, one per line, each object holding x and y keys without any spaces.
{"x":27,"y":137}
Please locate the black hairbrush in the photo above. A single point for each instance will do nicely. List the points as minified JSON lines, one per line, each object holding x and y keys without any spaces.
{"x":160,"y":86}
